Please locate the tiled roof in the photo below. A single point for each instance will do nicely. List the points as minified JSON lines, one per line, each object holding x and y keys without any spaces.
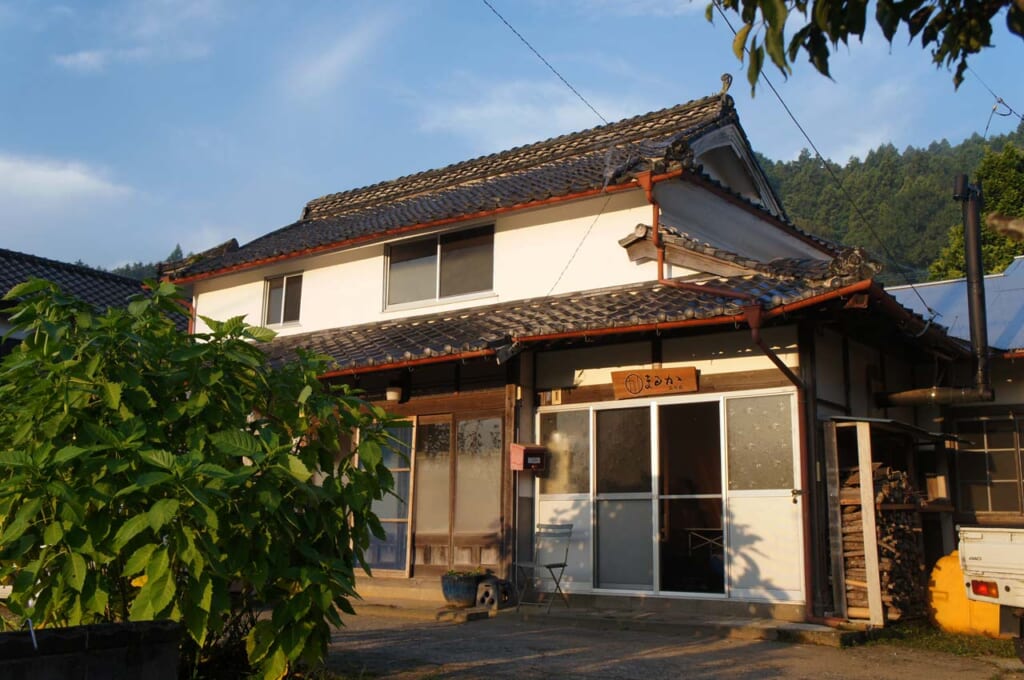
{"x":561,"y":166}
{"x":845,"y":263}
{"x":480,"y":328}
{"x":99,"y":289}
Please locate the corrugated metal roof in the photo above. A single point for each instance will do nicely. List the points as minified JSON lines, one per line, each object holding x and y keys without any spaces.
{"x":1004,"y":303}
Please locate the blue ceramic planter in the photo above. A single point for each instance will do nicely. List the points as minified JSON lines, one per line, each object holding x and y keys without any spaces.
{"x":460,"y":589}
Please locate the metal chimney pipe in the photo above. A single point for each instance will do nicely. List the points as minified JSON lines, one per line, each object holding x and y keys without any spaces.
{"x":970,"y":196}
{"x":972,"y":205}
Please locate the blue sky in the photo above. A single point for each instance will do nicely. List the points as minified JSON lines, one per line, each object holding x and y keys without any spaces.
{"x":129,"y":126}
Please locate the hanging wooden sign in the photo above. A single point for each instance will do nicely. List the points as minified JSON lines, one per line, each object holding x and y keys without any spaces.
{"x":653,"y":381}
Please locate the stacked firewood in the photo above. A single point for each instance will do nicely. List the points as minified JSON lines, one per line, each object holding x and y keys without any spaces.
{"x":900,"y":554}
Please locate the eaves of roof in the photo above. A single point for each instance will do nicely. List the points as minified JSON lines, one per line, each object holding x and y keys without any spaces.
{"x":622,"y":310}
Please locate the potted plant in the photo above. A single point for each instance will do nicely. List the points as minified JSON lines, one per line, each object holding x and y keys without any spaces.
{"x":459,"y":586}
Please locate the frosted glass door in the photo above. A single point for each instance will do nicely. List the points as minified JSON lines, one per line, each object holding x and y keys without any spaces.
{"x":765,"y":532}
{"x":625,"y":548}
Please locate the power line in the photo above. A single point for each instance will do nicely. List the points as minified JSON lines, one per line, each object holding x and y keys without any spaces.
{"x":999,"y":100}
{"x":546,"y":62}
{"x":579,"y":245}
{"x":995,"y":107}
{"x":832,"y":174}
{"x":597,"y":113}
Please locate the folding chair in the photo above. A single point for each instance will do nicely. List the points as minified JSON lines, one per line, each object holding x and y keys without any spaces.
{"x":550,"y":552}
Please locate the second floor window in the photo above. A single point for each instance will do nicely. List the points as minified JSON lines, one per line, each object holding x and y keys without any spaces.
{"x":444,"y":266}
{"x":284,"y":294}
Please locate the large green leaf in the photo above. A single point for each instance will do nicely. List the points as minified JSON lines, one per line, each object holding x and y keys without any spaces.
{"x":158,"y":458}
{"x":139,"y":560}
{"x":74,"y":571}
{"x":53,"y":532}
{"x":130,"y":530}
{"x":111,"y":395}
{"x":33,"y":285}
{"x":162,"y":512}
{"x":236,"y":443}
{"x":68,"y":454}
{"x":298,"y":469}
{"x":23,"y":518}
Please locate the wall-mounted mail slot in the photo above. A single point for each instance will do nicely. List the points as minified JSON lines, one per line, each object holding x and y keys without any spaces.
{"x":532,"y":457}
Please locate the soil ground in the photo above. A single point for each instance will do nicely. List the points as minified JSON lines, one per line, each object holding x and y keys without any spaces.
{"x":374,"y":645}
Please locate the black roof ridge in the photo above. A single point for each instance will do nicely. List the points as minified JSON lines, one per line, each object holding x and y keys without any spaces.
{"x":80,"y":268}
{"x":441,"y":172}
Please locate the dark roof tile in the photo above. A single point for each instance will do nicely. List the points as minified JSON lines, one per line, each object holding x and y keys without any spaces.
{"x":98,"y":288}
{"x":560,"y":166}
{"x":480,"y":328}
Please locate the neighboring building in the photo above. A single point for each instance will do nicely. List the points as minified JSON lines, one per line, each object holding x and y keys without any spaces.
{"x":631,"y":296}
{"x":989,"y":481}
{"x":99,"y":289}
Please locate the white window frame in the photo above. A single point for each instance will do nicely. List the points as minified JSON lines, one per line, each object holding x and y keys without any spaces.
{"x":591,"y":497}
{"x":284,"y":278}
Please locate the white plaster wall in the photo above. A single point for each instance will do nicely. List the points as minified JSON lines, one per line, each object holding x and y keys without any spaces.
{"x":531,"y":249}
{"x":551,"y":250}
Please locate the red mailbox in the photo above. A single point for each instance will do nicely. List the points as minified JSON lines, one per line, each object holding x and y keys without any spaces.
{"x":533,"y":457}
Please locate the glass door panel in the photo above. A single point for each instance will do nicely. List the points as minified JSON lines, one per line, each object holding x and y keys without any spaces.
{"x":624,"y":555}
{"x":625,"y":545}
{"x":477,"y":523}
{"x":392,"y":552}
{"x":760,"y":443}
{"x":690,"y":533}
{"x":433,"y":492}
{"x":623,"y":451}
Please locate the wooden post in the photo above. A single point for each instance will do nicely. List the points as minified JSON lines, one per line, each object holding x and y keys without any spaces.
{"x":867,"y":510}
{"x":835,"y":520}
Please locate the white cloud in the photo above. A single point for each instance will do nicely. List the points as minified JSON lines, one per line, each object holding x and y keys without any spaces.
{"x":319,"y":73}
{"x":84,"y":61}
{"x":151,"y":20}
{"x":53,"y":184}
{"x":153,"y":30}
{"x":494,"y":116}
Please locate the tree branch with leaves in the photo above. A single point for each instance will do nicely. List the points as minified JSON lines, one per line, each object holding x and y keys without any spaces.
{"x":953,"y":29}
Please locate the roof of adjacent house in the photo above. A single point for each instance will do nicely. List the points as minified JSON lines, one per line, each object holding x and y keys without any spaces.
{"x":1004,"y":305}
{"x":565,"y":166}
{"x":98,"y":288}
{"x":632,"y":308}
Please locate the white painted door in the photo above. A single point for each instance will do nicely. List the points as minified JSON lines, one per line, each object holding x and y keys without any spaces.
{"x":764,"y":499}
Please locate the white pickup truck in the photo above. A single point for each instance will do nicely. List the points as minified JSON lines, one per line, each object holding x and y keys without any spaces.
{"x":993,"y":564}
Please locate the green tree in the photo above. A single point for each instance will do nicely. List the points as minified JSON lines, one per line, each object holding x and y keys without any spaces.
{"x":954,"y":29}
{"x":1002,"y":180}
{"x":149,"y":474}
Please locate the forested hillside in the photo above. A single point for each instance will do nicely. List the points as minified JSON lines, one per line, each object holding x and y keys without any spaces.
{"x":904,"y":207}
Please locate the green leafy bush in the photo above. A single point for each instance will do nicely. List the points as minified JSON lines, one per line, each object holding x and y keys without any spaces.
{"x":150,"y":474}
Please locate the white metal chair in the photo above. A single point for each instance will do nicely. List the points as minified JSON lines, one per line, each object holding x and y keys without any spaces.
{"x":550,"y":553}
